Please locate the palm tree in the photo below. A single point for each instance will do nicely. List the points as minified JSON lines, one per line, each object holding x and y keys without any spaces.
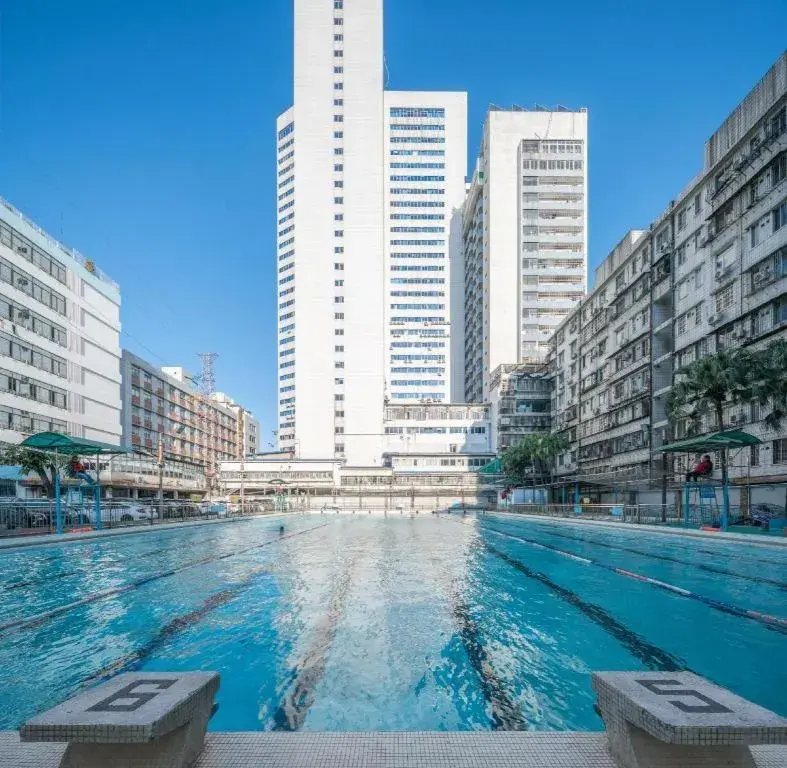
{"x":706,"y":386}
{"x":533,"y":455}
{"x":730,"y":377}
{"x":769,"y":381}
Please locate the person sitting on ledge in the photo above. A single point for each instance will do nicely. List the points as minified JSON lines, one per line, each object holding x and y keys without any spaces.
{"x":704,"y":468}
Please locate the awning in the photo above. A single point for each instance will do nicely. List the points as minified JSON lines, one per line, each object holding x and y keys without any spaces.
{"x":494,"y":467}
{"x":731,"y":438}
{"x":70,"y":446}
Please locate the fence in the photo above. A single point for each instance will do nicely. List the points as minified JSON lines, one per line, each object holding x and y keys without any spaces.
{"x":20,"y":518}
{"x":637,"y":514}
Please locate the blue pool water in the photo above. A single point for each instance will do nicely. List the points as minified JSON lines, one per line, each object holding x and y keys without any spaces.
{"x":371,"y":623}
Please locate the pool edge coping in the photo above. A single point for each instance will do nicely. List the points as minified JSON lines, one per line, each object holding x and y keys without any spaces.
{"x":50,"y":539}
{"x":664,"y":530}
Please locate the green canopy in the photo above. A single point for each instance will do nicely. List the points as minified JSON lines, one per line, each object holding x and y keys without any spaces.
{"x":494,"y":467}
{"x":71,"y":446}
{"x":731,"y":438}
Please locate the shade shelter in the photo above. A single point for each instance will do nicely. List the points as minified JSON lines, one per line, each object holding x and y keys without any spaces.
{"x":718,"y":441}
{"x":64,"y":445}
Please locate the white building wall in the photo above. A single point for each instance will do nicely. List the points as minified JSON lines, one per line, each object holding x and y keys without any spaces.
{"x":426,"y":160}
{"x":59,"y":338}
{"x":531,"y":217}
{"x":364,"y":233}
{"x":330,"y":235}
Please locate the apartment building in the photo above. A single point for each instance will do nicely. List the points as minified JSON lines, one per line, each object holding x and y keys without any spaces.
{"x":248,"y":439}
{"x":162,"y":406}
{"x":366,"y":184}
{"x":524,"y":233}
{"x":708,"y":274}
{"x":59,"y":337}
{"x":520,"y":403}
{"x":425,"y":163}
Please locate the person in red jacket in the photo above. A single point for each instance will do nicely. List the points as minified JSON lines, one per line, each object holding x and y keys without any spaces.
{"x":704,"y":468}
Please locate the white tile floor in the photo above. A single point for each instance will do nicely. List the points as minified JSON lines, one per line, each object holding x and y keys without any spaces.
{"x":382,"y":750}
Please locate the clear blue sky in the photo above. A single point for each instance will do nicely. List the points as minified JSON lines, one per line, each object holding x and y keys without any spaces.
{"x":142,"y":133}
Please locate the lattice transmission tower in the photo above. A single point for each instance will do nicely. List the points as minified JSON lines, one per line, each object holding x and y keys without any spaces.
{"x":207,"y":377}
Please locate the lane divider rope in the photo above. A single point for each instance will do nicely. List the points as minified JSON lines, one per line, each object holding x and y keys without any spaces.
{"x":22,"y":624}
{"x":767,"y":620}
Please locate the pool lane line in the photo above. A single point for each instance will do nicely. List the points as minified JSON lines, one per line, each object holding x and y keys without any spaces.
{"x":298,"y":699}
{"x":179,"y":624}
{"x":650,"y":655}
{"x":770,"y":622}
{"x":87,"y":567}
{"x":666,"y":558}
{"x":655,"y":529}
{"x":507,"y":715}
{"x":132,"y":530}
{"x":10,"y":586}
{"x":43,"y":618}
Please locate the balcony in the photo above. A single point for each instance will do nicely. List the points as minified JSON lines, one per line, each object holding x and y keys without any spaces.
{"x":147,"y":404}
{"x":135,"y":400}
{"x":136,"y":421}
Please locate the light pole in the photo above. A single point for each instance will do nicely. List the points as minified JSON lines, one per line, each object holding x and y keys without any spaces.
{"x":242,"y":484}
{"x":160,"y":478}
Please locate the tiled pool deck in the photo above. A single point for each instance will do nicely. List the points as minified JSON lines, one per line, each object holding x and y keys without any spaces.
{"x":386,"y":750}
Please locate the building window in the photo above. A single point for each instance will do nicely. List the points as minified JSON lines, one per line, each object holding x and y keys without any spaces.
{"x":724,"y":299}
{"x":338,"y":70}
{"x":338,"y":135}
{"x":779,"y":451}
{"x":779,"y":216}
{"x":338,"y":200}
{"x":779,"y":169}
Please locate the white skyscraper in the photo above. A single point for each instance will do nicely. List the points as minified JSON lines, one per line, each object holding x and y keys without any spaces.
{"x":426,"y":158}
{"x":337,"y":211}
{"x":525,"y":238}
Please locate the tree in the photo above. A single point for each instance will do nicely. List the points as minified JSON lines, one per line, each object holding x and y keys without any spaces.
{"x":731,"y":377}
{"x":769,"y":381}
{"x":533,"y":456}
{"x":35,"y":462}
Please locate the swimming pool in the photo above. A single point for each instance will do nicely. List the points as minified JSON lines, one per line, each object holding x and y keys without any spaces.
{"x":354,"y":623}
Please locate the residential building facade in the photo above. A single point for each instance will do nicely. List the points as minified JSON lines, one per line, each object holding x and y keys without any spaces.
{"x":248,"y":439}
{"x":524,"y":232}
{"x":520,"y":403}
{"x":709,"y":274}
{"x":59,"y":338}
{"x":164,"y":408}
{"x":365,"y":189}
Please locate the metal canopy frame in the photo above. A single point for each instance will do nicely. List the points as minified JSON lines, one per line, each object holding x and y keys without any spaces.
{"x":57,"y":444}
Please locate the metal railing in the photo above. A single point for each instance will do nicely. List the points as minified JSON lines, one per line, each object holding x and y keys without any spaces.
{"x":33,"y":517}
{"x":698,"y":516}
